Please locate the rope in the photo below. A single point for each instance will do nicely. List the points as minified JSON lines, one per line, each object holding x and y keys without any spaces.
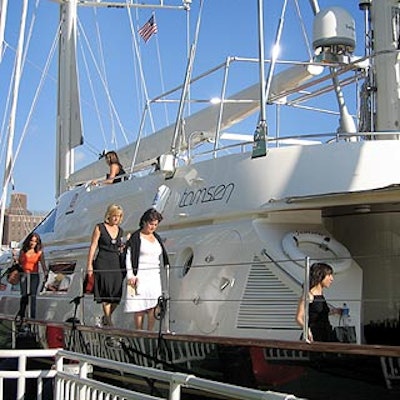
{"x":104,"y":83}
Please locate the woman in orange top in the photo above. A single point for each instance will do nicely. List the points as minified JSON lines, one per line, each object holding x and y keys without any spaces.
{"x":30,"y":256}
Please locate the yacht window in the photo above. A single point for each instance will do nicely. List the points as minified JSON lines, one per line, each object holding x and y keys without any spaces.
{"x":60,"y":277}
{"x":187,"y":256}
{"x":48,"y":223}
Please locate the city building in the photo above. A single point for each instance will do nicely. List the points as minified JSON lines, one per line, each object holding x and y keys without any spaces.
{"x":18,"y":221}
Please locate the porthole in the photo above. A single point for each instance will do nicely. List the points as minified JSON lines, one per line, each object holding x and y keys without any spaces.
{"x":187,"y":261}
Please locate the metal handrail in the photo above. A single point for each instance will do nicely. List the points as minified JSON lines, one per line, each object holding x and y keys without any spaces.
{"x":75,"y":383}
{"x":175,"y":380}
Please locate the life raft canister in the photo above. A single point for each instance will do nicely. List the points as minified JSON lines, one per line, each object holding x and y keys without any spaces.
{"x":319,"y":247}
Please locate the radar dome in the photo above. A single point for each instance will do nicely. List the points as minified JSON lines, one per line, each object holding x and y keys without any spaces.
{"x":334,"y":27}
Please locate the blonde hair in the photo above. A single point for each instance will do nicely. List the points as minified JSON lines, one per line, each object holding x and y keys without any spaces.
{"x":113,"y":209}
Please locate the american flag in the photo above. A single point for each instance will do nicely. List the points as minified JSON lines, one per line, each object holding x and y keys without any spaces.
{"x":148,"y":29}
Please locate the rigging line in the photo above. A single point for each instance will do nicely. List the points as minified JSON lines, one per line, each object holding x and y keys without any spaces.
{"x":303,"y":29}
{"x":94,"y":97}
{"x":29,"y":36}
{"x":189,"y":108}
{"x":274,"y":51}
{"x":11,"y":126}
{"x":103,"y":66}
{"x":179,"y":123}
{"x":5,"y":115}
{"x":36,"y":96}
{"x":92,"y":148}
{"x":82,"y":31}
{"x":140,"y":65}
{"x":137,"y":87}
{"x":161,"y":78}
{"x":24,"y":58}
{"x":30,"y":32}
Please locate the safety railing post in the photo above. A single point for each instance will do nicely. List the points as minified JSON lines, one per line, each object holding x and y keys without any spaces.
{"x":58,"y":385}
{"x":306,"y":294}
{"x":21,"y":379}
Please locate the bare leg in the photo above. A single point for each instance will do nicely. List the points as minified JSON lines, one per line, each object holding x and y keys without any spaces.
{"x":107,"y":307}
{"x":113,"y":306}
{"x":138,"y":318}
{"x":151,"y":320}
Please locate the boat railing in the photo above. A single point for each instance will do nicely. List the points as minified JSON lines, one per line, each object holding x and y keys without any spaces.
{"x":241,"y":143}
{"x":61,"y":374}
{"x":17,"y":372}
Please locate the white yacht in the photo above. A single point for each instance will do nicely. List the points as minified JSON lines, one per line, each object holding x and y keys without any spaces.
{"x":246,"y":212}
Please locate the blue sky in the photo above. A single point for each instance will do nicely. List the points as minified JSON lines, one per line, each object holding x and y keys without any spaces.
{"x":228,"y":28}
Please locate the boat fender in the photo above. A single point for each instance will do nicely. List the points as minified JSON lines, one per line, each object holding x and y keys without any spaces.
{"x":327,"y":249}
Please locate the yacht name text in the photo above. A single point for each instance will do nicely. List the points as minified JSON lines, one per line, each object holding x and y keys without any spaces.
{"x":206,"y":195}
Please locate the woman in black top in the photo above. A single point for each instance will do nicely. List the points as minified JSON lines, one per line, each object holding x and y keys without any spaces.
{"x":116,"y":169}
{"x":320,"y":329}
{"x":116,"y":173}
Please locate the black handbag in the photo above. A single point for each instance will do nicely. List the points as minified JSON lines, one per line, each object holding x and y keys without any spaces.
{"x":345,"y":334}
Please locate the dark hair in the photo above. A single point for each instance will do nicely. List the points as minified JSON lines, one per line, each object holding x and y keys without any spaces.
{"x":14,"y":267}
{"x":150,"y":215}
{"x":25,"y":245}
{"x":318,"y":272}
{"x":112,"y":158}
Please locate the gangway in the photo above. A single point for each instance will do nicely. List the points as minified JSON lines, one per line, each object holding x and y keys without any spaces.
{"x":71,"y":378}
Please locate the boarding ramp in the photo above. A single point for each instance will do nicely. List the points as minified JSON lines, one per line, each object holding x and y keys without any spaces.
{"x":72,"y":378}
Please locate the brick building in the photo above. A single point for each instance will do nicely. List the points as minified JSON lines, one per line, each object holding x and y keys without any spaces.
{"x":18,"y":221}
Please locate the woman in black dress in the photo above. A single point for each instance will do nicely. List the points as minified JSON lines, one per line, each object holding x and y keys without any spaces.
{"x":320,"y":329}
{"x":106,"y":267}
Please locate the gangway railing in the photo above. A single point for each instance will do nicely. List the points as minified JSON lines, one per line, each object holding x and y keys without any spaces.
{"x":80,"y":383}
{"x":14,"y":366}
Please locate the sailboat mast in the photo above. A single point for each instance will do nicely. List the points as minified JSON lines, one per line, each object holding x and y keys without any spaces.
{"x":69,"y":127}
{"x":385,"y":18}
{"x":11,"y":127}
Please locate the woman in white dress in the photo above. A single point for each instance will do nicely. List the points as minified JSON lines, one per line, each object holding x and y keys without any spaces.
{"x":143,"y":251}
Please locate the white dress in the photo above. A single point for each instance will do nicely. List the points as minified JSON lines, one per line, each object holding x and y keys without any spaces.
{"x":149,"y":281}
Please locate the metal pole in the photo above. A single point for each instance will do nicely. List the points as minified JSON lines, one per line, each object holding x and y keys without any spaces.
{"x":3,"y":15}
{"x":11,"y":127}
{"x":259,"y":145}
{"x":306,"y":290}
{"x":167,"y":311}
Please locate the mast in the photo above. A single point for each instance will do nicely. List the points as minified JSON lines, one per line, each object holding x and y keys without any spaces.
{"x":11,"y":127}
{"x":69,"y":126}
{"x":385,"y":18}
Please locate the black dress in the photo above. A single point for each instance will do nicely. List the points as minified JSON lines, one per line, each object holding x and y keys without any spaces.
{"x":107,"y":271}
{"x":318,"y":314}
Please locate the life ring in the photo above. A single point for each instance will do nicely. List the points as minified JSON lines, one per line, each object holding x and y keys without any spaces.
{"x":321,"y":248}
